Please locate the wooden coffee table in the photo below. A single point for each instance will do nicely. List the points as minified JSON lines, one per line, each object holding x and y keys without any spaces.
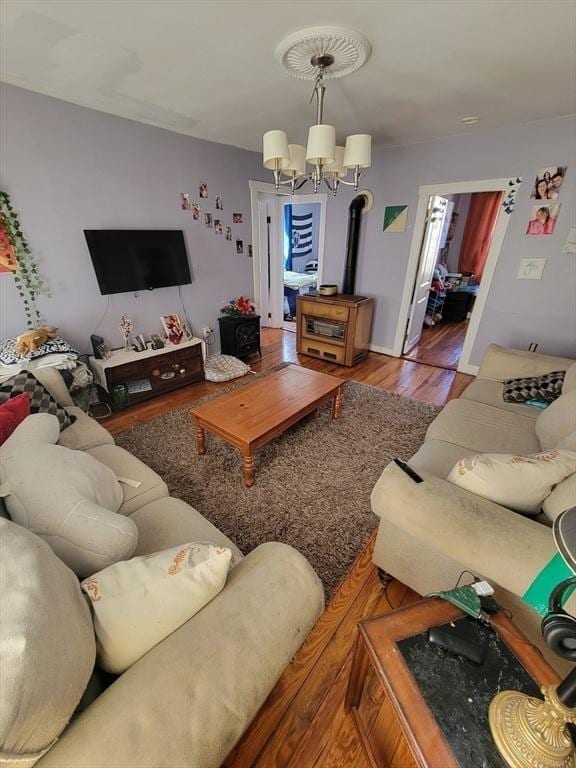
{"x":252,"y":416}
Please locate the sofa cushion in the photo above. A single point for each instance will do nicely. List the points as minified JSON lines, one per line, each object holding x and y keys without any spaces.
{"x":140,"y":602}
{"x":41,"y":401}
{"x":438,"y":457}
{"x":517,"y":482}
{"x":85,"y":433}
{"x":147,"y":486}
{"x":557,"y":421}
{"x":66,"y":497}
{"x":168,"y":522}
{"x":499,"y":363}
{"x":491,"y":393}
{"x":484,"y":429}
{"x":47,"y":647}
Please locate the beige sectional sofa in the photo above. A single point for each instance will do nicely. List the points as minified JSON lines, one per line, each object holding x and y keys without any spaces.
{"x":430,"y":532}
{"x":188,"y":700}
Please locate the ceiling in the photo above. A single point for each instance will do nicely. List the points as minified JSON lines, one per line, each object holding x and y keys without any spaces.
{"x":206,"y":67}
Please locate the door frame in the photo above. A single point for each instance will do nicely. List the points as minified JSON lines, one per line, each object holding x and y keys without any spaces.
{"x":508,"y":186}
{"x":276,"y":233}
{"x":256,"y":188}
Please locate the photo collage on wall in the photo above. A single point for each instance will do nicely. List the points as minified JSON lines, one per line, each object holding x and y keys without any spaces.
{"x":547,"y":189}
{"x":219,"y":227}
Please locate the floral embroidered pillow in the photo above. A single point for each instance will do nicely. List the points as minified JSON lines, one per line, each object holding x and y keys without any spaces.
{"x":520,"y":483}
{"x":139,"y":602}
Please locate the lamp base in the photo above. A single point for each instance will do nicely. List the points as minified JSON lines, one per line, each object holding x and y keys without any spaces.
{"x":531,"y":733}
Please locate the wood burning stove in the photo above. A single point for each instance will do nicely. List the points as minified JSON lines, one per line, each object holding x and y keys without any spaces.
{"x":240,"y":336}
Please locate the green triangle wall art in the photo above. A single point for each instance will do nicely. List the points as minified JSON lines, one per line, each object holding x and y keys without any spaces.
{"x":395,"y":218}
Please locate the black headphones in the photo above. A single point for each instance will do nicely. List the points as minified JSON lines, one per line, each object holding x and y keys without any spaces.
{"x":558,"y":627}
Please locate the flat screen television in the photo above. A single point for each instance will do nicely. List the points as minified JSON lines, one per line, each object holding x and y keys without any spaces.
{"x":128,"y":260}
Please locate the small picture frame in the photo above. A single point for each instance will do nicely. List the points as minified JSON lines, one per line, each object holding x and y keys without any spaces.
{"x":139,"y":343}
{"x":105,"y":351}
{"x":156,"y":341}
{"x":173,"y":328}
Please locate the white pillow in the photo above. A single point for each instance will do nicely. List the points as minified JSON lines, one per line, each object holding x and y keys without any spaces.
{"x":67,"y":497}
{"x":518,"y":482}
{"x":47,"y":647}
{"x":140,"y":602}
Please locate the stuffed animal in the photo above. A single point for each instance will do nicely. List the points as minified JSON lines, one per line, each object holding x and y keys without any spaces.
{"x":28,"y":342}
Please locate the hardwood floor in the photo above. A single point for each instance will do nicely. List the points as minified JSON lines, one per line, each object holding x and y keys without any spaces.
{"x":303,"y":723}
{"x":440,"y":345}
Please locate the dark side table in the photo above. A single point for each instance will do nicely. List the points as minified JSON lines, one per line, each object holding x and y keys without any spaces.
{"x":240,"y":335}
{"x":440,"y":701}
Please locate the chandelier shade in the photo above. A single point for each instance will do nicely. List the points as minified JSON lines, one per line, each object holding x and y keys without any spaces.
{"x":276,"y":155}
{"x":321,"y":145}
{"x":336,"y":170}
{"x":297,"y":164}
{"x":358,"y":151}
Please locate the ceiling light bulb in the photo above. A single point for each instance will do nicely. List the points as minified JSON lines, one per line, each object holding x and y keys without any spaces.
{"x":472,"y":120}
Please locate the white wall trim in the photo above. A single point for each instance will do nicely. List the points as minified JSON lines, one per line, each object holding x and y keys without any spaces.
{"x":483,"y":185}
{"x":257,"y":187}
{"x":381,"y":350}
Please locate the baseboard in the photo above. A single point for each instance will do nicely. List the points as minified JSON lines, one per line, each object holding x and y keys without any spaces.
{"x":471,"y":369}
{"x":382,"y":350}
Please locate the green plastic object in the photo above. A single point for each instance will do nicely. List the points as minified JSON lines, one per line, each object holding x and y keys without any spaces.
{"x":464,"y":598}
{"x":538,"y":593}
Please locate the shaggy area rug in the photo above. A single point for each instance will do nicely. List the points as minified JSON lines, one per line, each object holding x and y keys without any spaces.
{"x":313,"y":483}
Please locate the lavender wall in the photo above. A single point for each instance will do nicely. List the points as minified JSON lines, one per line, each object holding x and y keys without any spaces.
{"x":517,"y":311}
{"x":68,"y":168}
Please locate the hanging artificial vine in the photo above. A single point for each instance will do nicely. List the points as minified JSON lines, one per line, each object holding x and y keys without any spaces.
{"x":16,"y":257}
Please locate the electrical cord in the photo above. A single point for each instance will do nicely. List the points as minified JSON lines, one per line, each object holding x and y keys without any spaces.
{"x":103,"y":315}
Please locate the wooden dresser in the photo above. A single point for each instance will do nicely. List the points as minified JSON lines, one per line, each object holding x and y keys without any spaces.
{"x":335,"y":328}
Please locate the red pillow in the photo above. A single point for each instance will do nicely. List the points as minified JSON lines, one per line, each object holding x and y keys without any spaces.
{"x":12,"y":413}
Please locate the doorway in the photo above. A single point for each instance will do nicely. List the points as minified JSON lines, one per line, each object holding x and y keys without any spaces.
{"x":288,"y":235}
{"x":457,"y":239}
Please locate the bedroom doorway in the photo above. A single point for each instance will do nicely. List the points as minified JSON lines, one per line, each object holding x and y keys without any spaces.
{"x":288,"y":235}
{"x":458,"y":235}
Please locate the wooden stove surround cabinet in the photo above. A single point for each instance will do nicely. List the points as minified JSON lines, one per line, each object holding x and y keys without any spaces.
{"x":335,"y":328}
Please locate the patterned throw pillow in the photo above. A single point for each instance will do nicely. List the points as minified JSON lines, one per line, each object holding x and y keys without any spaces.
{"x":9,"y":355}
{"x":41,"y":401}
{"x":544,"y":388}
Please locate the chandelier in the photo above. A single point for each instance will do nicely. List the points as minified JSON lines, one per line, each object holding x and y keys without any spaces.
{"x":319,"y":53}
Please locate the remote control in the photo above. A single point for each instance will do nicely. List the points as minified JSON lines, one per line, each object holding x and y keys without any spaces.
{"x":408,"y":470}
{"x":455,"y":644}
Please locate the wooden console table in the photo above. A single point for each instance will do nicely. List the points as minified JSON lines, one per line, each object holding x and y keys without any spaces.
{"x":439,"y":701}
{"x":172,"y":367}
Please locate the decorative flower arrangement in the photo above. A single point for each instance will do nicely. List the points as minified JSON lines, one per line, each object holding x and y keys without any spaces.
{"x":238,"y":307}
{"x":126,"y":328}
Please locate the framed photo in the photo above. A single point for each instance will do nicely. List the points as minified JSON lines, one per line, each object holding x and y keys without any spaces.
{"x":548,"y":182}
{"x":203,"y":190}
{"x":156,"y":341}
{"x":237,"y":218}
{"x":217,"y":227}
{"x":173,"y":328}
{"x":139,"y":343}
{"x":105,"y":351}
{"x":239,"y":246}
{"x":543,"y":219}
{"x":196,"y":211}
{"x":228,"y":234}
{"x":208,"y":219}
{"x":219,"y":203}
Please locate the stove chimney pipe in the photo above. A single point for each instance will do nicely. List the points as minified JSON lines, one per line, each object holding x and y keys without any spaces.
{"x":355,"y":209}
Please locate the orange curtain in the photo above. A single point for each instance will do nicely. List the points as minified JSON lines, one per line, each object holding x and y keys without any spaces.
{"x":480,"y":223}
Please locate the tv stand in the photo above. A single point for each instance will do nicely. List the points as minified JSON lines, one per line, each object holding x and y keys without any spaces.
{"x":172,"y":367}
